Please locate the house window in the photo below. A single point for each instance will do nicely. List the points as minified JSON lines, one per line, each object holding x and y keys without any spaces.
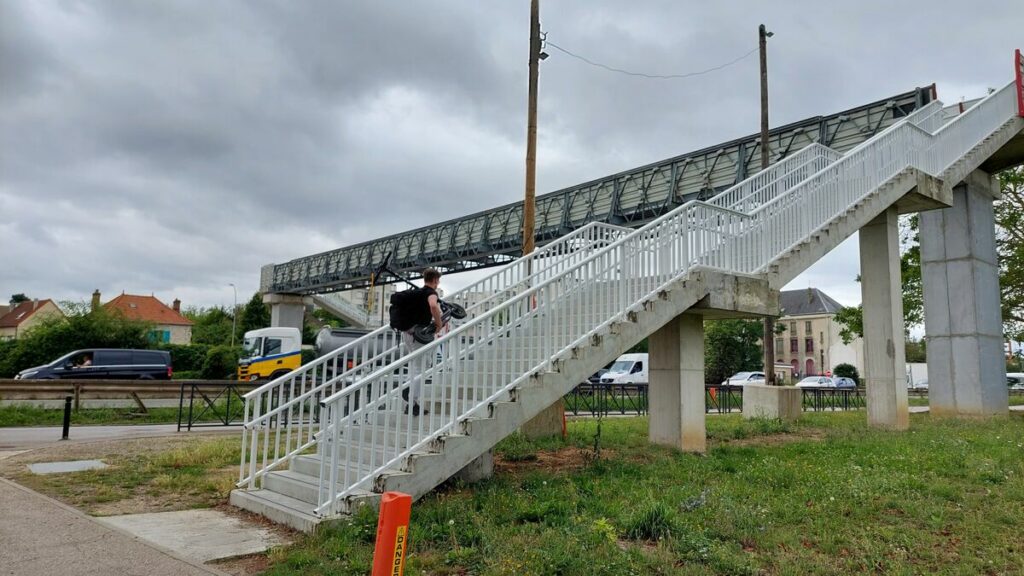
{"x":160,"y":336}
{"x":809,"y":342}
{"x":807,"y":328}
{"x":821,"y":338}
{"x":780,"y":344}
{"x":792,"y":328}
{"x":794,"y":345}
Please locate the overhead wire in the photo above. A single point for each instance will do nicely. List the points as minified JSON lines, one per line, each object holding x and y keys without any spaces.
{"x":644,"y":75}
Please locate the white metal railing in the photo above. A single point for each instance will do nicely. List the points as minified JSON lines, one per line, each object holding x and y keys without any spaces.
{"x":282,"y":417}
{"x":288,"y":407}
{"x":367,"y":429}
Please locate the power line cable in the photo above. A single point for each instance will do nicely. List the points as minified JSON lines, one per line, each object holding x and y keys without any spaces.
{"x":643,"y":75}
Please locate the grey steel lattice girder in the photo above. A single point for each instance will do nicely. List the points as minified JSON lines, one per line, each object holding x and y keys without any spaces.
{"x":630,"y":198}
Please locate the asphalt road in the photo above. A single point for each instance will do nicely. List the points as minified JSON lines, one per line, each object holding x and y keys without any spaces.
{"x":40,"y":436}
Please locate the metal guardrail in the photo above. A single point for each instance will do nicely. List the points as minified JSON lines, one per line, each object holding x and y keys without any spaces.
{"x":136,"y":390}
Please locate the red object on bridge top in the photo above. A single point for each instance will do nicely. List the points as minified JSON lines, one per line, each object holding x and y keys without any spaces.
{"x":1018,"y":66}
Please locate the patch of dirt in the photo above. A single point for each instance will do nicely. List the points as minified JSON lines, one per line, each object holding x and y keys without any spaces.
{"x":562,"y":460}
{"x":244,"y":565}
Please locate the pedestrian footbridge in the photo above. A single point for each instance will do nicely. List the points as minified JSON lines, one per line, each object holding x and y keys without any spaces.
{"x":335,"y":434}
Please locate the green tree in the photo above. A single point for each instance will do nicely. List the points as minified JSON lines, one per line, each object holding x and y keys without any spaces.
{"x":846,"y":371}
{"x":731,"y":346}
{"x":78,"y":328}
{"x":18,"y":298}
{"x":915,"y":350}
{"x":255,"y":315}
{"x":210,"y":325}
{"x":1009,"y":214}
{"x":1009,"y":220}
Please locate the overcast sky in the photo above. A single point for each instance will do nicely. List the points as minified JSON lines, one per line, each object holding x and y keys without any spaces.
{"x":175,"y":147}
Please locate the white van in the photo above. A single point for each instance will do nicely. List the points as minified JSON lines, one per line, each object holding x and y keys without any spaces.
{"x":627,"y":369}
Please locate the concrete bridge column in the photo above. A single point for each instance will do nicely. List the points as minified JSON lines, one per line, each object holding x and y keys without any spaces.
{"x":287,"y":310}
{"x":963,"y":325}
{"x":882,"y":297}
{"x":676,"y":385}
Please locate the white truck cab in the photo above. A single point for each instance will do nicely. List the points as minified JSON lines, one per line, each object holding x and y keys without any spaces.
{"x":269,"y":353}
{"x":627,"y":369}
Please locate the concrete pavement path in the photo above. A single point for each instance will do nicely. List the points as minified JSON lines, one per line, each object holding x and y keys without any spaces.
{"x":39,"y":436}
{"x":42,"y":537}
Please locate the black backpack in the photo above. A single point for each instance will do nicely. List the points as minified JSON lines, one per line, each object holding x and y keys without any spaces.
{"x":403,"y":309}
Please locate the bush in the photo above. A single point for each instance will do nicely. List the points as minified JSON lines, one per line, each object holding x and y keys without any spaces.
{"x":187,"y":357}
{"x":846,"y":371}
{"x":221,"y":362}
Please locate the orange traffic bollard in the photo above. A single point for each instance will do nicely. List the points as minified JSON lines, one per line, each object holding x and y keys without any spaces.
{"x":714,"y":393}
{"x":392,"y":534}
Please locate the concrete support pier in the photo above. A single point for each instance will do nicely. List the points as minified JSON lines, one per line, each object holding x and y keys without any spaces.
{"x":287,"y":310}
{"x":882,"y":295}
{"x":963,"y":324}
{"x":676,"y":388}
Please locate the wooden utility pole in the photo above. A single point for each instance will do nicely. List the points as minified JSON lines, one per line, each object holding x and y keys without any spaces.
{"x":530,"y":203}
{"x":769,"y":322}
{"x":763,"y":44}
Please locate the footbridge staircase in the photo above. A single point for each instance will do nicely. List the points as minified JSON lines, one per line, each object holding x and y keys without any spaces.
{"x":336,"y":434}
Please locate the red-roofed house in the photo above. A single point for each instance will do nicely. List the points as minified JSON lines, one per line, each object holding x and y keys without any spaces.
{"x":21,"y":317}
{"x":170,"y":326}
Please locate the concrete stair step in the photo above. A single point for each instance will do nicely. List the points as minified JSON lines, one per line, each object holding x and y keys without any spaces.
{"x":282,"y":509}
{"x":299,"y":486}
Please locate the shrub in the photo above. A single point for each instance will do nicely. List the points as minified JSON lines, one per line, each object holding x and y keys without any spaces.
{"x":846,"y":371}
{"x":187,"y":357}
{"x":655,"y":522}
{"x":221,"y":362}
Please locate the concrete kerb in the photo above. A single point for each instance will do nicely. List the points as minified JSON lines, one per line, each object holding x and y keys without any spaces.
{"x":200,"y":568}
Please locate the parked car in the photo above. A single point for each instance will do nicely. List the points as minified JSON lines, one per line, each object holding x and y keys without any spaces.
{"x":627,"y":369}
{"x":105,"y":363}
{"x":1015,"y":380}
{"x":817,"y":382}
{"x":842,"y":382}
{"x":741,"y":378}
{"x":595,"y":378}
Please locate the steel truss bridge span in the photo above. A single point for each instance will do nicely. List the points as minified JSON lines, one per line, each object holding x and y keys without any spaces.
{"x":630,"y":198}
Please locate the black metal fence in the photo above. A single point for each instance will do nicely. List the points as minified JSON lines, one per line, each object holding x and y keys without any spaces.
{"x":604,"y":399}
{"x":622,"y":399}
{"x":211,"y":404}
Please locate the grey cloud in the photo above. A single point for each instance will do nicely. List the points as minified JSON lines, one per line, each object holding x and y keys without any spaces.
{"x":181,"y":145}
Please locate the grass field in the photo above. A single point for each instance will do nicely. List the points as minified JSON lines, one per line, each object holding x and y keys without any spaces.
{"x":34,"y":415}
{"x":824,"y":496}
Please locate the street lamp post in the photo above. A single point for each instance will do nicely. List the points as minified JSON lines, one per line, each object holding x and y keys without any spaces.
{"x":234,"y":314}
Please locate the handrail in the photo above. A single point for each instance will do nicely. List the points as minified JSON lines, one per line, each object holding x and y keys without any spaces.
{"x":322,"y":376}
{"x":524,"y":333}
{"x":536,"y":255}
